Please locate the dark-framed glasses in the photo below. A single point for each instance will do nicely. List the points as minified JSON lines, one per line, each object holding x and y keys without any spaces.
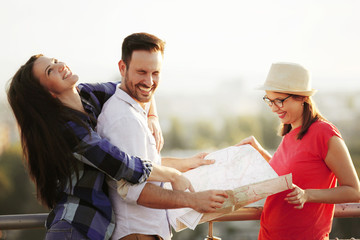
{"x":278,"y":102}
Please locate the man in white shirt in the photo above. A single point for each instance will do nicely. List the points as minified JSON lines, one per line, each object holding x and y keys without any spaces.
{"x":124,"y":122}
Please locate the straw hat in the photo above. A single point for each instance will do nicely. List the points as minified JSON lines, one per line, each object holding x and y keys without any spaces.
{"x":288,"y":78}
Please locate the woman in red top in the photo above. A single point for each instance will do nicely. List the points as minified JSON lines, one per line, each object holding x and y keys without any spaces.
{"x":313,"y":151}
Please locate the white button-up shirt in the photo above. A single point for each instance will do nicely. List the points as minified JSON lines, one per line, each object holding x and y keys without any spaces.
{"x":124,"y":122}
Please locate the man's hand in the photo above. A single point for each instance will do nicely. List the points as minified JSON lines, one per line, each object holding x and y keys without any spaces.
{"x":181,"y":183}
{"x":186,"y":164}
{"x":208,"y":201}
{"x":196,"y":161}
{"x":155,"y":129}
{"x":204,"y":202}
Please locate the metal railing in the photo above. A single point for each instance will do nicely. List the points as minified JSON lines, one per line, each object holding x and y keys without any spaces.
{"x":345,"y":210}
{"x":27,"y":221}
{"x":22,"y":221}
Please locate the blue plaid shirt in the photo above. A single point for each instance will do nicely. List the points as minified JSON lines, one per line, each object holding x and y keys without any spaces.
{"x":87,"y":205}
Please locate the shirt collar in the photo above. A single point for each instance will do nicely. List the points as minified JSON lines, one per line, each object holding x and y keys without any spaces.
{"x":121,"y":94}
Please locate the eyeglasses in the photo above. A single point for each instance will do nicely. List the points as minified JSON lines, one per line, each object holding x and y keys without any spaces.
{"x":278,"y":102}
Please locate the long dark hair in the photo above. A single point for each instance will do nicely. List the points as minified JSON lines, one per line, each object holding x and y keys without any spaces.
{"x":42,"y":119}
{"x":310,"y":115}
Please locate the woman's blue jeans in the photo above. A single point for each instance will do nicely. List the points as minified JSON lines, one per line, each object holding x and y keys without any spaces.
{"x":63,"y":230}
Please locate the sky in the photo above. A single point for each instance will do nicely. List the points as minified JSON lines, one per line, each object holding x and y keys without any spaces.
{"x":208,"y":43}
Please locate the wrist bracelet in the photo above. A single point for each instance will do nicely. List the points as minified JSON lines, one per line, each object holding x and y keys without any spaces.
{"x":150,"y":115}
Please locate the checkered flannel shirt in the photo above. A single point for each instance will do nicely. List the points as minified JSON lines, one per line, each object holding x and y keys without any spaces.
{"x":87,"y":205}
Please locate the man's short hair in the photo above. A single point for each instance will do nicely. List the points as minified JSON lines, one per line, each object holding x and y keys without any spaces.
{"x":140,"y":41}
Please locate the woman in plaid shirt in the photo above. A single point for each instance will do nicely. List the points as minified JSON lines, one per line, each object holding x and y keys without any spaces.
{"x":57,"y":122}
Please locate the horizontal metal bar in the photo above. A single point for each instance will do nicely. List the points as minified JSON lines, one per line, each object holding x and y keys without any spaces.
{"x":243,"y":214}
{"x":26,"y":221}
{"x":347,"y":210}
{"x":344,"y":210}
{"x":23,"y":221}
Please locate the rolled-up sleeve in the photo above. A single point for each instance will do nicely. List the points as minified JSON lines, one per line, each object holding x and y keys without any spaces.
{"x":93,"y":150}
{"x":127,"y":191}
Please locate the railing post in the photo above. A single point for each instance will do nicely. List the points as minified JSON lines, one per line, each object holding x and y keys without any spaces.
{"x":210,"y":235}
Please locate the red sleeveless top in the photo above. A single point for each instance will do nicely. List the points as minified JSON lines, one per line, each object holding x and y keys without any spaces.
{"x":305,"y":160}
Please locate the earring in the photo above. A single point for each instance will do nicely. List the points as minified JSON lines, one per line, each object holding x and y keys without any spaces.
{"x":302,"y":104}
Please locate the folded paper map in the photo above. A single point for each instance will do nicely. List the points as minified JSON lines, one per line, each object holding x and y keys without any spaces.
{"x":242,"y":171}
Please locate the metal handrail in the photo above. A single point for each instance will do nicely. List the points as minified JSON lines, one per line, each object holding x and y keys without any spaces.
{"x":22,"y":221}
{"x":345,"y":210}
{"x":26,"y":221}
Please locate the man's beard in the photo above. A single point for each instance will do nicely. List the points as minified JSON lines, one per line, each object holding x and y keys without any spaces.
{"x":133,"y":91}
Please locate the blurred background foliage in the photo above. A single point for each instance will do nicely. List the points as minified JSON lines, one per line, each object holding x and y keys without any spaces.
{"x":18,"y":195}
{"x":202,"y":134}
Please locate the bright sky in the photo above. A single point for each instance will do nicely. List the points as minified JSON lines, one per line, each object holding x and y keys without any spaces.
{"x":208,"y":42}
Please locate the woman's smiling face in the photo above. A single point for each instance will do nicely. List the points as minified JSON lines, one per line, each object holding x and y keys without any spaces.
{"x":54,"y":75}
{"x":292,"y":110}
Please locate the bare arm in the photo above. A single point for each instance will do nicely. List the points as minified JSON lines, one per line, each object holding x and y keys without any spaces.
{"x":205,"y":202}
{"x":255,"y":144}
{"x":186,"y":164}
{"x":154,"y":125}
{"x":172,"y":175}
{"x":339,"y":162}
